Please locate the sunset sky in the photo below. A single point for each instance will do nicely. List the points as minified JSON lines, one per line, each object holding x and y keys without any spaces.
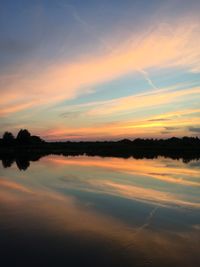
{"x":100,"y":70}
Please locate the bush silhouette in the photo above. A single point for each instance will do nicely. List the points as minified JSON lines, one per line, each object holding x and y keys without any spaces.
{"x":36,"y":140}
{"x":8,"y":138}
{"x":24,"y":137}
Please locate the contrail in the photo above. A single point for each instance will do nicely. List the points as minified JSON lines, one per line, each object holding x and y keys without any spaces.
{"x":147,"y":78}
{"x":139,"y":229}
{"x":87,"y":27}
{"x":90,"y":29}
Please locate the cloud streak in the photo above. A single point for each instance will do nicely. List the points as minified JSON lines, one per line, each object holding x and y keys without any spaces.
{"x":38,"y":85}
{"x":67,"y":80}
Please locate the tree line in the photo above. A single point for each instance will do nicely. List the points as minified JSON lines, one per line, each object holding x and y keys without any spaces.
{"x":26,"y":147}
{"x":23,"y":138}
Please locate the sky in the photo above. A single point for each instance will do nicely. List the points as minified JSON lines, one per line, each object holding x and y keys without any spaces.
{"x":100,"y":70}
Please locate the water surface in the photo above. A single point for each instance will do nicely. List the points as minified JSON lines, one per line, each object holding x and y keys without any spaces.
{"x":93,"y":211}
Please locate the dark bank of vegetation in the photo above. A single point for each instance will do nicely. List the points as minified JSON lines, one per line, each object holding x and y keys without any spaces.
{"x":26,"y":147}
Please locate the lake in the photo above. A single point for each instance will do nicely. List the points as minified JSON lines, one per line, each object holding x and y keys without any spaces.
{"x":95,"y":211}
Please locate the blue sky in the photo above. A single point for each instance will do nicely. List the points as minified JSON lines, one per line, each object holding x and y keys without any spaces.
{"x":84,"y":70}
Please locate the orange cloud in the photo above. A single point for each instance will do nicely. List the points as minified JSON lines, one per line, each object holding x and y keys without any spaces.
{"x":16,"y":108}
{"x":155,"y":169}
{"x":14,"y":186}
{"x":143,"y":126}
{"x":157,"y":49}
{"x":63,"y":215}
{"x":145,"y":100}
{"x":144,"y":194}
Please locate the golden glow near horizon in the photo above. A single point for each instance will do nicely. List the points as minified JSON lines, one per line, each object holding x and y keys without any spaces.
{"x":122,"y":82}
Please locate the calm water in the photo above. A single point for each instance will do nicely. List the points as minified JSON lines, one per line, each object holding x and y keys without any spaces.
{"x":92,"y":211}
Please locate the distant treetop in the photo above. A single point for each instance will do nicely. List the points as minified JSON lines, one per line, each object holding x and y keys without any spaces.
{"x":8,"y":138}
{"x":23,"y":138}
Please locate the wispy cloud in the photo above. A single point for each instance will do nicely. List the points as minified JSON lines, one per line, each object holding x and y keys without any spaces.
{"x":87,"y":26}
{"x":145,"y":100}
{"x":38,"y":85}
{"x":148,"y":79}
{"x":160,"y":119}
{"x":160,"y":170}
{"x":67,"y":80}
{"x":194,"y":129}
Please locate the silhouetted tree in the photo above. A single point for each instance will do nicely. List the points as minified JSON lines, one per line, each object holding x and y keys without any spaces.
{"x":23,"y":137}
{"x":22,"y":163}
{"x":125,"y":141}
{"x":7,"y":162}
{"x":8,"y":138}
{"x":36,"y":140}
